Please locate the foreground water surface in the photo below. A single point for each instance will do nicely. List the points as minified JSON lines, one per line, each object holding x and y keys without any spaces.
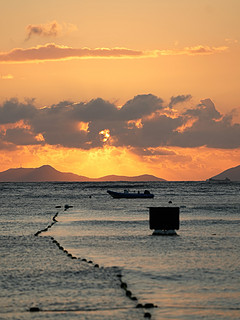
{"x":194,"y":275}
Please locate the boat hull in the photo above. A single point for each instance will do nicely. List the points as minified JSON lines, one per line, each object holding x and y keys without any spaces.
{"x":130,"y":195}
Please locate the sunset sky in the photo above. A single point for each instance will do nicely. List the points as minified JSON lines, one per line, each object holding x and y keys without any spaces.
{"x":124,"y":87}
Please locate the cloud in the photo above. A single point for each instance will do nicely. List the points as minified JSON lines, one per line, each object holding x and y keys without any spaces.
{"x":97,"y":109}
{"x":193,"y":51}
{"x":51,"y":51}
{"x":13,"y":111}
{"x":204,"y":111}
{"x":6,"y":146}
{"x":142,"y":125}
{"x":54,"y":52}
{"x":51,"y":29}
{"x":140,"y":106}
{"x":20,"y":136}
{"x":179,"y":99}
{"x":210,"y":128}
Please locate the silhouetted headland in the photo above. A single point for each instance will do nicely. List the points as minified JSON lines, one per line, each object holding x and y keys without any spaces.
{"x":233,"y":174}
{"x":47,"y":173}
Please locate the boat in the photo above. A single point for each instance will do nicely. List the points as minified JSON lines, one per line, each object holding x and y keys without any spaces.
{"x":214,"y":180}
{"x":130,"y":195}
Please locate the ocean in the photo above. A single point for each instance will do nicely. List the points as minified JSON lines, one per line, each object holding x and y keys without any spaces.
{"x":98,"y":259}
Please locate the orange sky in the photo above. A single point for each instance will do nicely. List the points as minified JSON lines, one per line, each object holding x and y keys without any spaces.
{"x":131,"y":87}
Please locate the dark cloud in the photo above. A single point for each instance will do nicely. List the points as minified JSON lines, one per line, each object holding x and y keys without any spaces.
{"x":142,"y":124}
{"x":58,"y":127}
{"x":210,"y":128}
{"x":179,"y":99}
{"x":140,"y":106}
{"x":51,"y":29}
{"x":95,"y":110}
{"x":153,"y":132}
{"x":12,"y":111}
{"x":7,"y":146}
{"x":20,"y":136}
{"x":205,"y":111}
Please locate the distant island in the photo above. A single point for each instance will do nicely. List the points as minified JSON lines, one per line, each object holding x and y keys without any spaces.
{"x":232,"y":174}
{"x":47,"y":173}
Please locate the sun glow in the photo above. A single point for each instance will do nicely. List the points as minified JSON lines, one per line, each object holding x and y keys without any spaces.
{"x":83,"y":126}
{"x":106,"y":134}
{"x":117,"y":100}
{"x":39,"y":137}
{"x":136,"y":123}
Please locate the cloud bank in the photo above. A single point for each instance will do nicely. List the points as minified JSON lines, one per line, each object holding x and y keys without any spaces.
{"x":54,"y":52}
{"x":193,"y":51}
{"x":144,"y":125}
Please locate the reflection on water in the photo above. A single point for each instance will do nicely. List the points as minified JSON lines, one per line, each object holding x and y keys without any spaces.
{"x":194,"y":275}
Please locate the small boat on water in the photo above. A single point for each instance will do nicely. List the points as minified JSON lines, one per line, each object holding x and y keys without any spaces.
{"x":130,"y":195}
{"x":213,"y":180}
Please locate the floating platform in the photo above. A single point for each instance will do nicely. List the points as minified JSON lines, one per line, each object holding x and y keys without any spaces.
{"x":164,"y":220}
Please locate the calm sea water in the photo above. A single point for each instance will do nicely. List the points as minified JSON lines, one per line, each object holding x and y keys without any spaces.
{"x":194,"y":275}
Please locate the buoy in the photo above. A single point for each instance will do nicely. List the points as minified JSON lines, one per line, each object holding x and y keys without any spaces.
{"x":34,"y":309}
{"x":124,"y":285}
{"x":148,"y":305}
{"x":147,"y":315}
{"x":128,"y":293}
{"x":67,"y":206}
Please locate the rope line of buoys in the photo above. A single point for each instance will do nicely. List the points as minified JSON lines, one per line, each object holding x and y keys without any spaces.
{"x":47,"y":228}
{"x":128,"y":293}
{"x":66,"y":207}
{"x":123,"y":285}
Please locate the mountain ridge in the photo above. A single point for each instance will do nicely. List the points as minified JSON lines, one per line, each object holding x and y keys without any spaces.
{"x":47,"y":173}
{"x":232,"y":173}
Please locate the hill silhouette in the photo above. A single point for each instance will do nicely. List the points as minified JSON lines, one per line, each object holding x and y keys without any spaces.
{"x":48,"y":173}
{"x":43,"y":173}
{"x":144,"y":177}
{"x":233,"y":174}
